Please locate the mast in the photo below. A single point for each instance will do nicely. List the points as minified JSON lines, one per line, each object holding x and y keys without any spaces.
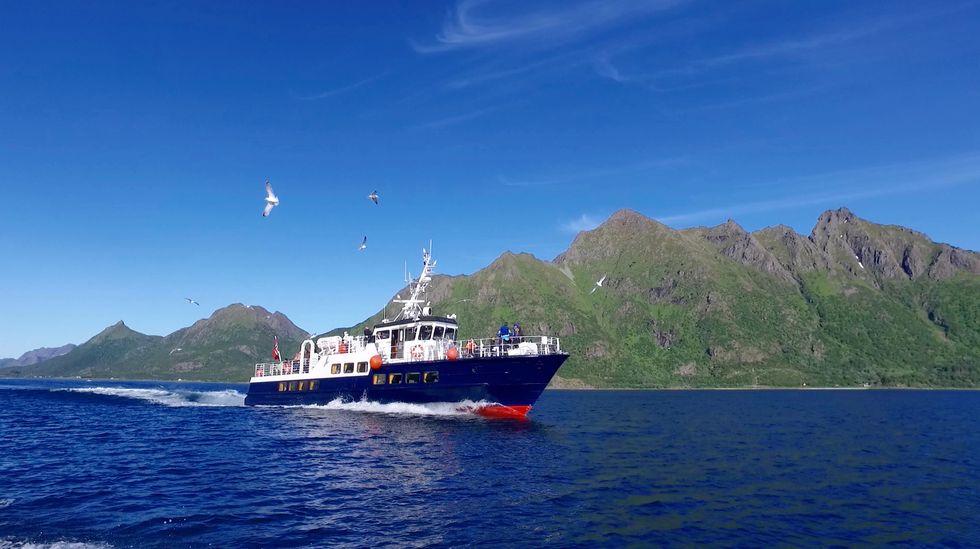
{"x":412,"y":307}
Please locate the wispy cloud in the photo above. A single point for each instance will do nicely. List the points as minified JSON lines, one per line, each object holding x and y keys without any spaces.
{"x":592,"y":174}
{"x":471,"y":24}
{"x":584,"y":222}
{"x":344,"y":89}
{"x":453,"y":120}
{"x":876,"y":182}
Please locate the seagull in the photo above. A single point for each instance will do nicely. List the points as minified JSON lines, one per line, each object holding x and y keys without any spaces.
{"x":271,"y":200}
{"x":363,"y":245}
{"x":374,"y":197}
{"x":192,"y":302}
{"x":598,"y":284}
{"x":172,"y":351}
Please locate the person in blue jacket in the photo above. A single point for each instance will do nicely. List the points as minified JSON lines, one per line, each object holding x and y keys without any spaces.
{"x":504,"y":334}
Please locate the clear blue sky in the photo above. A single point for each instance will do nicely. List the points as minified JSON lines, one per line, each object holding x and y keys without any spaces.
{"x":136,"y":138}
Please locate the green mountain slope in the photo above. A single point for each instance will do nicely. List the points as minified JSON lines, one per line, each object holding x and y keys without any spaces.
{"x":221,"y":347}
{"x":853,"y":303}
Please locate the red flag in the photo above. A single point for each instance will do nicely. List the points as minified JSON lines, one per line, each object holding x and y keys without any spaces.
{"x":275,"y":350}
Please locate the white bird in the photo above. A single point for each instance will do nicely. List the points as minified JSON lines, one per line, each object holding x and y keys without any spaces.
{"x":363,"y":245}
{"x":271,"y":200}
{"x":598,"y":284}
{"x":374,"y":197}
{"x":192,"y":302}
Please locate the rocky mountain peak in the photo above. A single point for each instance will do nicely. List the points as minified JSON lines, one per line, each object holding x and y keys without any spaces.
{"x":731,"y":240}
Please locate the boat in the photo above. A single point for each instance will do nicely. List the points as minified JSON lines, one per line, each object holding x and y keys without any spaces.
{"x":415,"y":357}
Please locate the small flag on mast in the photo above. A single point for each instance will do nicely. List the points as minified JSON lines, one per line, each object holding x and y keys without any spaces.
{"x":275,"y":350}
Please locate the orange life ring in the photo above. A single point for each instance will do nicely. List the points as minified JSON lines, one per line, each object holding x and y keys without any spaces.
{"x":417,"y":351}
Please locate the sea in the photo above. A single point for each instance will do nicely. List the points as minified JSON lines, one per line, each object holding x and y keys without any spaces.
{"x":149,"y":464}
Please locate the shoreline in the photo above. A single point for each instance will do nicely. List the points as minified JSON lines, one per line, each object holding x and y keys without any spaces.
{"x":748,"y":388}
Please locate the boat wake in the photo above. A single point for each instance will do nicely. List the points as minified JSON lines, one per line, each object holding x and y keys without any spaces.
{"x":464,"y":408}
{"x":173,"y":398}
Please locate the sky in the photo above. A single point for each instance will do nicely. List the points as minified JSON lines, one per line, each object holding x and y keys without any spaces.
{"x":135,"y":140}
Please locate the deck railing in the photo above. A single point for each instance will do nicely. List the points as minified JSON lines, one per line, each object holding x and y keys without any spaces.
{"x":429,"y":350}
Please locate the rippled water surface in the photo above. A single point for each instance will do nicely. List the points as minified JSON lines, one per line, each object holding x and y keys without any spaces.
{"x":176,"y":464}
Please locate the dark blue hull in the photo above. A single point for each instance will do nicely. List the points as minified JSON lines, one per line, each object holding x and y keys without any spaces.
{"x":510,"y":381}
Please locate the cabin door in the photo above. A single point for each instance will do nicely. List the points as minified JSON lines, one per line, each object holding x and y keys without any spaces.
{"x":396,"y":338}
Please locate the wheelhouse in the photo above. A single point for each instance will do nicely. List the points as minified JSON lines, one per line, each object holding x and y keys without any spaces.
{"x":415,"y":338}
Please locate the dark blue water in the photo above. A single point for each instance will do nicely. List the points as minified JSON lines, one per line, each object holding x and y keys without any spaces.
{"x":174,"y":465}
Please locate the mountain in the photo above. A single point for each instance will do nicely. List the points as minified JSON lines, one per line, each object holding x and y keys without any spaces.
{"x":853,"y":303}
{"x":221,"y":347}
{"x":37,"y":355}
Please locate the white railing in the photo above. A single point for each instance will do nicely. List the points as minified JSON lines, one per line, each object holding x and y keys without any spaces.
{"x":430,"y":350}
{"x":284,"y":368}
{"x":438,"y":349}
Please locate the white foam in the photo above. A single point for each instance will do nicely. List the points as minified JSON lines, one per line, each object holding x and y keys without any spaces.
{"x":5,"y":503}
{"x":464,"y":408}
{"x":176,"y":398}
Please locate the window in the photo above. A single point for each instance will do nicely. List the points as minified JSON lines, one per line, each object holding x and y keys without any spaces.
{"x":349,"y":368}
{"x":451,"y":333}
{"x":440,"y":331}
{"x":383,"y":334}
{"x":379,"y":379}
{"x":410,"y":334}
{"x":292,"y":385}
{"x":314,"y":385}
{"x":362,"y":367}
{"x":394,"y":379}
{"x":425,"y":332}
{"x":282,"y":386}
{"x":335,"y":368}
{"x":430,"y":377}
{"x":302,"y":385}
{"x":412,"y":377}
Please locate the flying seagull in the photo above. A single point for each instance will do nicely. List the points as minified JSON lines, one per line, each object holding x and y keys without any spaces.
{"x":598,"y":284}
{"x":363,"y":245}
{"x":271,"y":200}
{"x":374,"y":197}
{"x":192,"y":302}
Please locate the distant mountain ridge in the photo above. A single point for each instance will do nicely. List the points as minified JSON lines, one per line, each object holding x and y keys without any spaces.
{"x":221,"y":347}
{"x":36,"y":355}
{"x":854,"y":303}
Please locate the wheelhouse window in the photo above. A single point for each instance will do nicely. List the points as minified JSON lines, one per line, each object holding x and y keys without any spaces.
{"x":335,"y":368}
{"x":410,"y":334}
{"x":425,"y":332}
{"x":394,"y":379}
{"x":451,"y":333}
{"x":412,"y":377}
{"x":430,"y":377}
{"x":378,"y":379}
{"x":349,"y":368}
{"x":382,"y":334}
{"x":439,"y":332}
{"x":362,"y":367}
